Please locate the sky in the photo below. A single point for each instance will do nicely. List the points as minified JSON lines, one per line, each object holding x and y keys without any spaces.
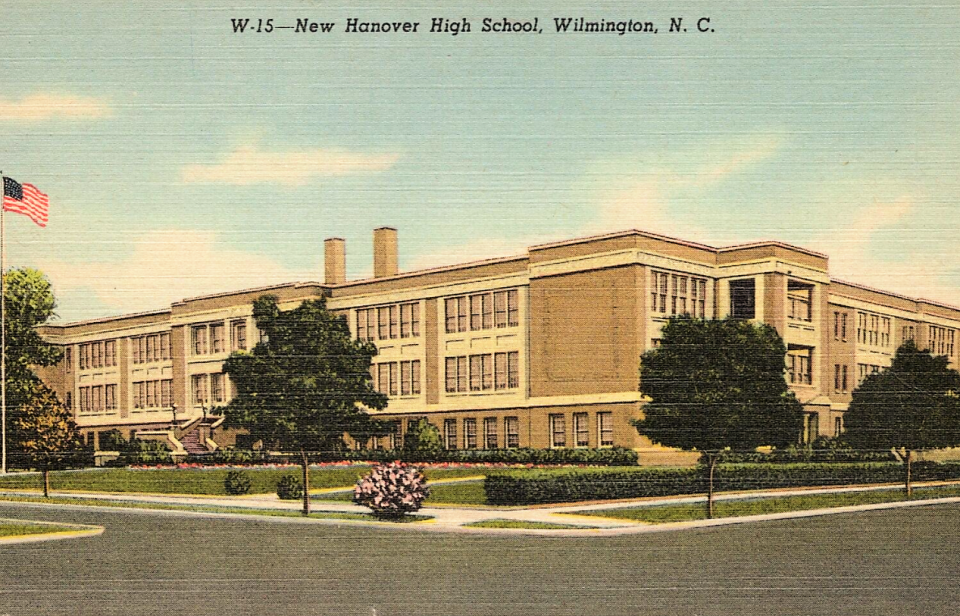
{"x":182,"y":158}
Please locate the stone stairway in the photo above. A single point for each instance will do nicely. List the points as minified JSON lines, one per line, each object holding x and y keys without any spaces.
{"x":191,"y":442}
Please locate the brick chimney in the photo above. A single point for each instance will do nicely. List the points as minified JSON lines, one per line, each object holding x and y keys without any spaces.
{"x":334,"y":260}
{"x":384,"y":252}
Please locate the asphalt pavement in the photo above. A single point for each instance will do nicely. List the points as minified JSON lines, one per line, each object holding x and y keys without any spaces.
{"x":898,"y":561}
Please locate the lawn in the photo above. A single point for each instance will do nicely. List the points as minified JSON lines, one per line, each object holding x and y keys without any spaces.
{"x":460,"y":493}
{"x":502,"y":523}
{"x":200,"y":481}
{"x":16,"y":529}
{"x":738,"y":508}
{"x":286,"y":513}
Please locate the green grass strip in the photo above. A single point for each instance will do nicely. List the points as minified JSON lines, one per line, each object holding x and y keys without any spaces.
{"x":201,"y":481}
{"x":9,"y":529}
{"x":285,"y":513}
{"x":663,"y":514}
{"x":523,"y":524}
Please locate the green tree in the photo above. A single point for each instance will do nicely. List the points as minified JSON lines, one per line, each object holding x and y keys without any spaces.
{"x":716,"y":385}
{"x":28,"y":302}
{"x":912,"y":406}
{"x":305,"y":384}
{"x":424,"y":439}
{"x":47,"y":433}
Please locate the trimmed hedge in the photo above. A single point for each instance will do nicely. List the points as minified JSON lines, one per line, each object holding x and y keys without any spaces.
{"x":536,"y":486}
{"x":612,"y":456}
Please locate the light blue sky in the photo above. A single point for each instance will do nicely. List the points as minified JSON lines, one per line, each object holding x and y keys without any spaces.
{"x":181,"y":158}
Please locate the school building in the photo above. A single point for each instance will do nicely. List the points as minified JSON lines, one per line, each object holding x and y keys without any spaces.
{"x":536,"y":350}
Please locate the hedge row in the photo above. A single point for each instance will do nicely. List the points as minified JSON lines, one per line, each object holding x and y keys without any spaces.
{"x":535,"y":486}
{"x":614,"y":456}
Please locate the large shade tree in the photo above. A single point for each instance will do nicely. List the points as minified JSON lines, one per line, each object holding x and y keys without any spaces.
{"x":717,"y":384}
{"x":28,"y":302}
{"x":305,"y":384}
{"x":912,"y":406}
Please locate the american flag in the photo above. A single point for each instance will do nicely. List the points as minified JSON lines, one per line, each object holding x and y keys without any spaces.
{"x":25,"y":199}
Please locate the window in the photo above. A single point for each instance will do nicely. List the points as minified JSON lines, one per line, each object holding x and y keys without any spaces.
{"x":513,"y":369}
{"x":451,"y":372}
{"x":404,"y":378}
{"x":482,"y":372}
{"x":840,"y":378}
{"x":216,"y":388}
{"x":500,"y":370}
{"x":837,"y":426}
{"x":688,"y":295}
{"x":383,"y":323}
{"x":383,"y":378}
{"x":151,"y":387}
{"x":500,"y":309}
{"x":836,"y":326}
{"x":798,"y":365}
{"x":909,"y":333}
{"x":137,"y":396}
{"x":511,"y":427}
{"x":799,"y":300}
{"x":362,"y":325}
{"x":393,"y":379}
{"x":68,"y":401}
{"x":110,"y":353}
{"x":166,"y":393}
{"x":486,"y":371}
{"x":743,"y":299}
{"x":68,"y":358}
{"x":605,"y":428}
{"x":476,"y":314}
{"x":581,"y":429}
{"x":513,"y":308}
{"x":415,"y":377}
{"x":394,"y":321}
{"x":199,"y":334}
{"x":865,"y":370}
{"x":558,"y":431}
{"x":238,"y":336}
{"x":450,"y":433}
{"x":475,"y":384}
{"x":941,"y":340}
{"x":450,"y":310}
{"x":199,"y":387}
{"x":813,"y":426}
{"x":406,"y":317}
{"x":843,"y":326}
{"x":487,"y":301}
{"x":470,"y":433}
{"x":658,"y":293}
{"x":490,"y":433}
{"x":217,"y":342}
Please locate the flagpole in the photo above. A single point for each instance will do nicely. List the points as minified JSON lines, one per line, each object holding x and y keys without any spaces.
{"x":3,"y":339}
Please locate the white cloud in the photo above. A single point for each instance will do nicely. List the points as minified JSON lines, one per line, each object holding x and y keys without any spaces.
{"x":248,"y":165}
{"x":168,"y":266}
{"x":48,"y":106}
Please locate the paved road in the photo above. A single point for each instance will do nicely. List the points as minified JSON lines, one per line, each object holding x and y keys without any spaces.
{"x":887,"y":562}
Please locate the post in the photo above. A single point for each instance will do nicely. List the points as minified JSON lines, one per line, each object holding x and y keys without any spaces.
{"x":3,"y":340}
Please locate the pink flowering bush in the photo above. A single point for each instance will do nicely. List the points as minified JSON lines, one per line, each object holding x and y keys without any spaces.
{"x":392,"y":490}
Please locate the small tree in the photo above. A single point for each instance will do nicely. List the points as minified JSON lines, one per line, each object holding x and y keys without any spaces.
{"x":423,"y":438}
{"x":47,"y":433}
{"x":715,"y":385}
{"x":305,"y":384}
{"x":912,"y":406}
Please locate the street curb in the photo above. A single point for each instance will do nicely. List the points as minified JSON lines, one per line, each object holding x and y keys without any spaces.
{"x":82,"y":530}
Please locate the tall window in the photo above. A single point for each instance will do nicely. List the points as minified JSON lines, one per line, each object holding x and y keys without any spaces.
{"x":394,"y":321}
{"x":482,"y":372}
{"x":68,"y":358}
{"x":942,"y":340}
{"x":798,"y":366}
{"x":481,"y":311}
{"x":450,"y":433}
{"x":500,"y":370}
{"x":383,"y":323}
{"x":200,"y":391}
{"x":513,"y":369}
{"x":216,"y":388}
{"x":743,"y":299}
{"x":216,"y":338}
{"x":840,"y":378}
{"x":511,"y":427}
{"x":581,"y":429}
{"x":238,"y":336}
{"x":199,"y":334}
{"x":558,"y":431}
{"x":799,"y":298}
{"x":605,"y":428}
{"x":110,"y":397}
{"x":470,"y":433}
{"x":490,"y":433}
{"x":166,"y":393}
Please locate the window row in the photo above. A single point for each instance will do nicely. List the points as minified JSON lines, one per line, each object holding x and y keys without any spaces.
{"x":687,"y":295}
{"x":581,"y":429}
{"x":210,"y":338}
{"x":98,"y":398}
{"x":865,"y":370}
{"x":386,"y":376}
{"x":208,"y":389}
{"x":840,"y":378}
{"x":150,"y":348}
{"x":483,"y":372}
{"x":941,"y":340}
{"x":485,"y":310}
{"x":98,"y":354}
{"x":799,"y":370}
{"x":909,"y":332}
{"x":156,"y":394}
{"x":840,"y":326}
{"x":389,"y":322}
{"x":490,"y":435}
{"x":873,"y":329}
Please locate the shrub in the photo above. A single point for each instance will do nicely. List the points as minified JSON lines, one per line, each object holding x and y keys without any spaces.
{"x":527,"y":487}
{"x":146,"y":453}
{"x":392,"y":490}
{"x":823,"y":449}
{"x":236,"y":483}
{"x":423,"y":439}
{"x":289,"y":488}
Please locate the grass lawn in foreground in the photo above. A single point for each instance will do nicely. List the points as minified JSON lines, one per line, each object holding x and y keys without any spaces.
{"x":502,"y":523}
{"x":286,"y":513}
{"x":17,"y":529}
{"x":460,"y":493}
{"x":199,"y":481}
{"x":664,"y":514}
